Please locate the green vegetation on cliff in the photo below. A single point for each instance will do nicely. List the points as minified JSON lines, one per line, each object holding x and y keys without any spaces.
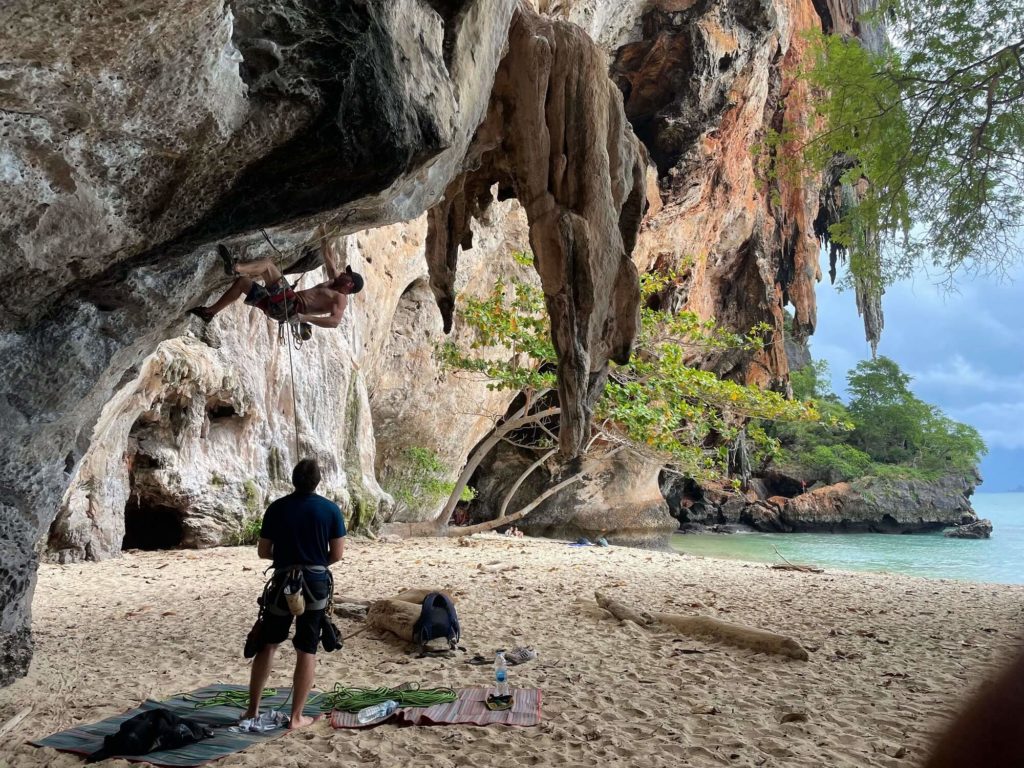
{"x":884,"y":430}
{"x":928,"y":132}
{"x":657,"y":402}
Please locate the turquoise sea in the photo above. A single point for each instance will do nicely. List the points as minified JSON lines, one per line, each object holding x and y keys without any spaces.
{"x":999,"y":559}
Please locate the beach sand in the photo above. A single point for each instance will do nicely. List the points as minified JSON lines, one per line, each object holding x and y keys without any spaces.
{"x":891,"y":656}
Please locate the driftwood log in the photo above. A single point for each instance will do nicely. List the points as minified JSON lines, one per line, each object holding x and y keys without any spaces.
{"x":395,"y":616}
{"x":708,"y":628}
{"x":398,"y":614}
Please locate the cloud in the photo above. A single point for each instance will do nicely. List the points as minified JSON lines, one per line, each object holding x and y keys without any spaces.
{"x":1000,"y":424}
{"x":959,"y":375}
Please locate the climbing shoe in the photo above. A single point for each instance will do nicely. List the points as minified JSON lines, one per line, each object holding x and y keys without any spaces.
{"x":203,"y":313}
{"x":229,"y":262}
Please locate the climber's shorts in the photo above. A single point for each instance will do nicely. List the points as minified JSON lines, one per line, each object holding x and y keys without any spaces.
{"x":277,"y":300}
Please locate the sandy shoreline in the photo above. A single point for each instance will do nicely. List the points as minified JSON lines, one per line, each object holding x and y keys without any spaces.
{"x":891,"y":655}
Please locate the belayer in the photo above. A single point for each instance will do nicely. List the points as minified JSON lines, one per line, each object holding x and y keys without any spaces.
{"x":303,"y":533}
{"x":321,"y":305}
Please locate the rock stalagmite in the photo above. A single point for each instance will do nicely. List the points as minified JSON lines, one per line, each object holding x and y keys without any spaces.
{"x":556,"y":138}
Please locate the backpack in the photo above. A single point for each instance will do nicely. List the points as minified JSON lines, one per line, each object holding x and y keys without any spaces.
{"x":437,"y":619}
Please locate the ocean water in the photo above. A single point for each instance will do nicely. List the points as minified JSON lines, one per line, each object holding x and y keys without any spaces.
{"x":999,"y":559}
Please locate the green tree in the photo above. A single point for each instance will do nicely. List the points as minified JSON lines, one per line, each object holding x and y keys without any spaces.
{"x":927,"y":137}
{"x":658,"y":402}
{"x":889,"y":420}
{"x":894,"y":426}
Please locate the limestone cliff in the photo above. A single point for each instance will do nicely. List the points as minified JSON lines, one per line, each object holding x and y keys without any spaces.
{"x":777,"y":503}
{"x":555,"y":137}
{"x":136,"y":137}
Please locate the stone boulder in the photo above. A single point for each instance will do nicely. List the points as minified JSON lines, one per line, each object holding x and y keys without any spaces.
{"x":882,"y":505}
{"x":618,"y":497}
{"x":979,"y":529}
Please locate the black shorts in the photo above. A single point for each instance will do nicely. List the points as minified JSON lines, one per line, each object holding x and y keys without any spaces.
{"x":307,"y":626}
{"x":278,"y":301}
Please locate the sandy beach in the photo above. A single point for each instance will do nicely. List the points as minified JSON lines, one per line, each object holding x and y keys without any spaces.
{"x":891,"y":656}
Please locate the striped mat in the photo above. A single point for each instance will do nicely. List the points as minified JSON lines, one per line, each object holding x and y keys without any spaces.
{"x":86,"y":739}
{"x":468,"y":708}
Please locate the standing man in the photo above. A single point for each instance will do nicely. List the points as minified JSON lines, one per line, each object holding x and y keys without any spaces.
{"x":302,"y":532}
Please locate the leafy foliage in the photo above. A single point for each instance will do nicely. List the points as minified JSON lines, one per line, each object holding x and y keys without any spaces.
{"x":419,"y":481}
{"x":248,"y":532}
{"x":931,"y":133}
{"x":657,"y":401}
{"x":886,"y":427}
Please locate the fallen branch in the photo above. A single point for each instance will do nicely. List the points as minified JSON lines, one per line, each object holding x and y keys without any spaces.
{"x":496,"y":567}
{"x":394,"y":616}
{"x":794,"y":567}
{"x":707,"y":627}
{"x":710,"y":628}
{"x":13,"y":723}
{"x":788,"y":566}
{"x":623,"y":612}
{"x":467,"y":530}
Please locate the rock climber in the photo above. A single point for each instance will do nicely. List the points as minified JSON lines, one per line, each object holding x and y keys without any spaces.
{"x":321,"y":305}
{"x":303,"y":533}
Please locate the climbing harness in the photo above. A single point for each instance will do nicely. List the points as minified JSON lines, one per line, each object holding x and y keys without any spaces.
{"x":290,"y":582}
{"x":355,"y":699}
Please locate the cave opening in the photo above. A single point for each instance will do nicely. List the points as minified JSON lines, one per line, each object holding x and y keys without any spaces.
{"x":151,"y":525}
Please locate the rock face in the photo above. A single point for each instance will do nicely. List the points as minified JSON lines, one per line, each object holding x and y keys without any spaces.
{"x":869,"y":504}
{"x":204,"y":436}
{"x":618,"y":497}
{"x":979,"y":529}
{"x":556,"y":138}
{"x":133,"y":138}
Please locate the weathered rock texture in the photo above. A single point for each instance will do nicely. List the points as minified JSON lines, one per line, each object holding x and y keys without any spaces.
{"x":703,"y":87}
{"x":979,"y":529}
{"x":868,"y":504}
{"x":135,"y":136}
{"x":556,"y":138}
{"x":618,"y":497}
{"x":204,"y":435}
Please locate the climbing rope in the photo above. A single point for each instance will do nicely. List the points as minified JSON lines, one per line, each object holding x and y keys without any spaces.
{"x":237,"y":699}
{"x":355,"y":699}
{"x":291,"y":365}
{"x":294,"y":329}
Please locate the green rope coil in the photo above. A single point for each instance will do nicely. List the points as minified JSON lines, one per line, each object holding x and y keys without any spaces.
{"x":355,"y":699}
{"x":237,"y":699}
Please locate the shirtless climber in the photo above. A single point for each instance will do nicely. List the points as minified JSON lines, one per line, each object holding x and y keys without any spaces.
{"x":321,"y":305}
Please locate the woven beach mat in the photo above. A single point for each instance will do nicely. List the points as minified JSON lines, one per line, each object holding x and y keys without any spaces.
{"x":468,"y":709}
{"x":86,"y":739}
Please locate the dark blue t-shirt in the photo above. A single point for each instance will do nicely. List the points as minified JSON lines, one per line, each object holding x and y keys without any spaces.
{"x":301,"y":525}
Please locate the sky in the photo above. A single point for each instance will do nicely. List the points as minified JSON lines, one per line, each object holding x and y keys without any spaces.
{"x":964,"y":350}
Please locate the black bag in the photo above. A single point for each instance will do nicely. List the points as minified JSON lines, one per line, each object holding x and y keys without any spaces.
{"x":150,"y":731}
{"x":437,"y":619}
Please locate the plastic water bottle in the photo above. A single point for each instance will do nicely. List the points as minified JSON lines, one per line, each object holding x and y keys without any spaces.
{"x":377,"y":712}
{"x":500,"y":674}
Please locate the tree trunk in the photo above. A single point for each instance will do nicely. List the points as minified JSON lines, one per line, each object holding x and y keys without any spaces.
{"x":466,"y":530}
{"x":478,"y":456}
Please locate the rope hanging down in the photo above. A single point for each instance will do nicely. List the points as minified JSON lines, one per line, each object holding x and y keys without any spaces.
{"x":291,"y":365}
